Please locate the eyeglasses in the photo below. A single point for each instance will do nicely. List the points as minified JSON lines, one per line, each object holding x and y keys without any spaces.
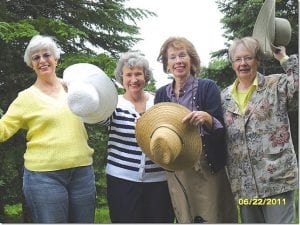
{"x":37,"y":58}
{"x":246,"y":59}
{"x":182,"y":56}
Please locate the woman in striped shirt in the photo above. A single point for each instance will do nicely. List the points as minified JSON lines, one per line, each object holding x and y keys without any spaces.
{"x":137,"y":190}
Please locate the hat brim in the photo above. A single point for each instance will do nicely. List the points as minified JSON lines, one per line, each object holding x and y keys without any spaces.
{"x":264,"y":28}
{"x":161,"y":115}
{"x":270,"y":31}
{"x":89,"y":74}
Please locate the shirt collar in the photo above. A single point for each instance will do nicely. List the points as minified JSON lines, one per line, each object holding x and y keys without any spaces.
{"x":236,"y":82}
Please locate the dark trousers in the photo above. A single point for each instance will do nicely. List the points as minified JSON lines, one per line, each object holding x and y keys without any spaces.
{"x":135,"y":202}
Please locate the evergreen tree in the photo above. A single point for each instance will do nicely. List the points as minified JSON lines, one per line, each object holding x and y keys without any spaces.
{"x":92,"y":31}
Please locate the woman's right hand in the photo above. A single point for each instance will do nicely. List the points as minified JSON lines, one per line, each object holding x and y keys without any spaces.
{"x":199,"y":118}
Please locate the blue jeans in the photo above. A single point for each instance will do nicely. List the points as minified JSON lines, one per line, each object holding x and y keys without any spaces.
{"x":62,"y":196}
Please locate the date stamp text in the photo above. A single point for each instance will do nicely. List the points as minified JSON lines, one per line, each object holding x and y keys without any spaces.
{"x":262,"y":201}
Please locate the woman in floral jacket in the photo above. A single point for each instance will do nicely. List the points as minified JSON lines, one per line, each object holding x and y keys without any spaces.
{"x":262,"y":164}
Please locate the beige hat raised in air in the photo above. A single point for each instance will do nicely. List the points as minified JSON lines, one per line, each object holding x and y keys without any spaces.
{"x":166,"y":140}
{"x":271,"y":31}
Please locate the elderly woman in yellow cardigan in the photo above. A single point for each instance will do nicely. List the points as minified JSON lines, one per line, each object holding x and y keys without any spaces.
{"x":58,"y":180}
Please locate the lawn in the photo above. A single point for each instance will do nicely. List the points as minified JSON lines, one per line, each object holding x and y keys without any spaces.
{"x":13,"y":213}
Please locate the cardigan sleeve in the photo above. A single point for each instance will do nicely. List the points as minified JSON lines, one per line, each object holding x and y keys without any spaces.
{"x":209,"y":99}
{"x":12,"y":120}
{"x":214,"y":144}
{"x":161,"y":95}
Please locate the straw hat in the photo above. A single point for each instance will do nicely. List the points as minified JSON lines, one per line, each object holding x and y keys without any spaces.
{"x":166,"y":140}
{"x":91,"y":93}
{"x":271,"y":31}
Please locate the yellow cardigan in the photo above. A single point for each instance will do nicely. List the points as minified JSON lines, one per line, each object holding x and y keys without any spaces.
{"x":56,"y":138}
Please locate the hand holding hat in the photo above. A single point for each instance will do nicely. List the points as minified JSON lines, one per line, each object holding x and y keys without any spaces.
{"x":166,"y":140}
{"x":91,"y":94}
{"x":270,"y":31}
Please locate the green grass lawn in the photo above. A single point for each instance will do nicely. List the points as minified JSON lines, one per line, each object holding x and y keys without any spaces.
{"x":102,"y":215}
{"x":13,"y":213}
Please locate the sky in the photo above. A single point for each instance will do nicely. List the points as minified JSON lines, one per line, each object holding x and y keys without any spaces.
{"x":196,"y":20}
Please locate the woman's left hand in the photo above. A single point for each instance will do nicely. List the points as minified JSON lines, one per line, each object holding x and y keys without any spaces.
{"x":199,"y":118}
{"x":280,"y":53}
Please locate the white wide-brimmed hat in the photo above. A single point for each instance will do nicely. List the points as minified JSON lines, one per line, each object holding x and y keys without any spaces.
{"x":271,"y":31}
{"x":91,"y":93}
{"x":166,"y":140}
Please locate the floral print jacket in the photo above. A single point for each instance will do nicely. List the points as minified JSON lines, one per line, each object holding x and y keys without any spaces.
{"x":261,"y":157}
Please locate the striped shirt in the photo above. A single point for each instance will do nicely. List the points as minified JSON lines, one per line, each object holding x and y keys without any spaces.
{"x":125,"y":158}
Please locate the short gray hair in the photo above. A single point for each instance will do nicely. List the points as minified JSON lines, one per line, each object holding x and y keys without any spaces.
{"x":39,"y":42}
{"x":250,"y":43}
{"x":133,"y":59}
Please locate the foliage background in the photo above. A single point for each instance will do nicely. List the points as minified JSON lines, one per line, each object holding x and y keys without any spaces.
{"x":97,"y":32}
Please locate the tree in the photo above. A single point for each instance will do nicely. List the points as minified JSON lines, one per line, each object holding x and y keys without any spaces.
{"x":82,"y":26}
{"x":92,"y":31}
